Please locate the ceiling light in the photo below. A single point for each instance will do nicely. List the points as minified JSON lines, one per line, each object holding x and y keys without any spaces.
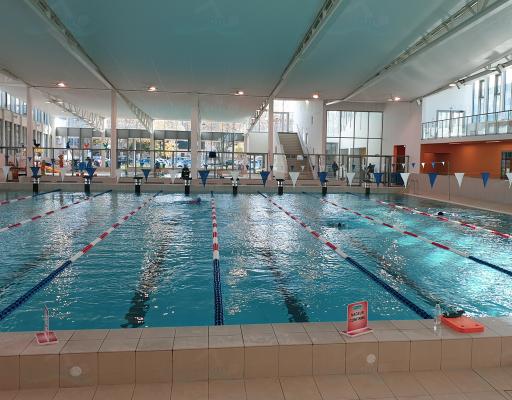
{"x":316,"y":95}
{"x":152,"y":89}
{"x":452,"y":84}
{"x":239,"y":93}
{"x":493,"y":141}
{"x":48,"y":102}
{"x":455,"y":143}
{"x":390,"y":99}
{"x":61,"y":84}
{"x":396,"y":98}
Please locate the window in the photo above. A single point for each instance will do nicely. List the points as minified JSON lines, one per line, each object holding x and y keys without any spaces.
{"x":482,"y":92}
{"x":506,"y":163}
{"x":497,"y":92}
{"x":354,"y":133}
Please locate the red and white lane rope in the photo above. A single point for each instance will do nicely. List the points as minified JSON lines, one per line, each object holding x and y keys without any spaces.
{"x":217,"y":288}
{"x":422,"y":238}
{"x":444,"y":219}
{"x":48,"y":213}
{"x":5,"y":202}
{"x":50,"y":277}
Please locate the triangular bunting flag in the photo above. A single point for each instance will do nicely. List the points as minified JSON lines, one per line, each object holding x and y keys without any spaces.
{"x":35,"y":171}
{"x":485,"y":177}
{"x":62,"y":175}
{"x":234,"y":175}
{"x":264,"y":176}
{"x":405,"y":177}
{"x":413,"y":164}
{"x":204,"y":176}
{"x":90,"y":171}
{"x":323,"y":177}
{"x":146,"y":172}
{"x":459,"y":176}
{"x":6,"y":170}
{"x":403,"y":165}
{"x":350,"y":177}
{"x":432,"y":177}
{"x":174,"y":175}
{"x":422,"y":165}
{"x":378,"y":177}
{"x":294,"y":175}
{"x":433,"y":164}
{"x":353,"y":167}
{"x":442,"y":162}
{"x":509,"y":176}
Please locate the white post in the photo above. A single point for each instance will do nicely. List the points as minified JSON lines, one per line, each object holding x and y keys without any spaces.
{"x":29,"y":145}
{"x":195,"y":126}
{"x":113,"y":134}
{"x":270,"y":133}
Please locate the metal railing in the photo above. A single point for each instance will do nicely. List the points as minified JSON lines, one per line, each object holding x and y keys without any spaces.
{"x":167,"y":163}
{"x":496,"y":123}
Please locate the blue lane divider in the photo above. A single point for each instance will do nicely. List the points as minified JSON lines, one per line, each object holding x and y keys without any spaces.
{"x":217,"y":288}
{"x":51,"y":191}
{"x":404,"y":300}
{"x":52,"y":275}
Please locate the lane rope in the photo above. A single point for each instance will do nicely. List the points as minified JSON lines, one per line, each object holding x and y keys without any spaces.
{"x":217,"y":288}
{"x":48,"y":213}
{"x":5,"y":202}
{"x":422,"y":238}
{"x":400,"y":297}
{"x":444,"y":219}
{"x":52,"y":275}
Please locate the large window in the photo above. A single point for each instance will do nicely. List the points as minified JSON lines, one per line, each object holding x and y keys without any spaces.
{"x":354,"y":133}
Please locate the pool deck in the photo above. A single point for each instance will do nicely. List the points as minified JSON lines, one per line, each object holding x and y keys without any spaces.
{"x":486,"y":205}
{"x":399,"y":360}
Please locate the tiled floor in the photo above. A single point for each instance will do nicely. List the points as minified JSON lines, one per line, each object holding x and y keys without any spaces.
{"x":480,"y":384}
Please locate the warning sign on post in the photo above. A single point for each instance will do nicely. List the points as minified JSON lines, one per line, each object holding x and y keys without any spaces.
{"x":357,"y":319}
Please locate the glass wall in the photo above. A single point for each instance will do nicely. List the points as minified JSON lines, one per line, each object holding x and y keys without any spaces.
{"x":354,"y":133}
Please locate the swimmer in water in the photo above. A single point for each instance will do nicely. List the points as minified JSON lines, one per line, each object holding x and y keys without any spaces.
{"x":193,"y":201}
{"x":340,"y":226}
{"x":440,"y":213}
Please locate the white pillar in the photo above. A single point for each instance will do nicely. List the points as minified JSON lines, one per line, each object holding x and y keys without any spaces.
{"x":270,"y":145}
{"x":113,"y":134}
{"x":2,"y":127}
{"x":29,"y":145}
{"x":195,"y":126}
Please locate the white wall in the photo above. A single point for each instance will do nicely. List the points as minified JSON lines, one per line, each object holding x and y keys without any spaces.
{"x":402,"y":126}
{"x":257,"y":142}
{"x":307,"y":122}
{"x":449,"y":99}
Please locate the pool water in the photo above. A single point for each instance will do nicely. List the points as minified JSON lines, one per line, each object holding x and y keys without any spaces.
{"x":156,"y":269}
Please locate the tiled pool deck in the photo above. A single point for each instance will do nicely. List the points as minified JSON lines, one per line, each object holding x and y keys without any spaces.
{"x":399,"y":360}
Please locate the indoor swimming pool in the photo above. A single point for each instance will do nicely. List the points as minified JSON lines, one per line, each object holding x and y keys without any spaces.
{"x":156,"y":268}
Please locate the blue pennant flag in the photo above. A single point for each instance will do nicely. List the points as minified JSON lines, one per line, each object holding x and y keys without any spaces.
{"x":432,"y":177}
{"x":322,"y":176}
{"x":433,"y":164}
{"x":378,"y":177}
{"x":353,"y":167}
{"x":90,"y":171}
{"x":204,"y":176}
{"x":485,"y":177}
{"x":81,"y":166}
{"x":35,"y":171}
{"x":146,"y":172}
{"x":264,"y":176}
{"x":413,"y":164}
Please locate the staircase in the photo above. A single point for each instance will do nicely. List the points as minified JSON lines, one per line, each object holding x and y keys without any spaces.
{"x":292,"y":148}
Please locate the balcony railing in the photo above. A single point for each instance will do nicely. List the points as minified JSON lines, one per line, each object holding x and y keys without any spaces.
{"x":496,"y":123}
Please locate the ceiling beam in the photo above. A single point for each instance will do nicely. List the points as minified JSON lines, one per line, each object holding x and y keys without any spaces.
{"x":66,"y":38}
{"x":463,"y":18}
{"x":325,"y":13}
{"x":92,"y":119}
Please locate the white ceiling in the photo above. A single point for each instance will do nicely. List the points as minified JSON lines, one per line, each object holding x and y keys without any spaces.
{"x":204,"y":50}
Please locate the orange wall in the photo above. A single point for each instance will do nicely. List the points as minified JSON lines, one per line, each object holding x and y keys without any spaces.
{"x":472,"y":158}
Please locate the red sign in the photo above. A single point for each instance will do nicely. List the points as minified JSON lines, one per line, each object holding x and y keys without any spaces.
{"x":357,"y":319}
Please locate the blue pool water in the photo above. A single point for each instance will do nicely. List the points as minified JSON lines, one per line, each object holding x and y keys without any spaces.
{"x":156,"y":269}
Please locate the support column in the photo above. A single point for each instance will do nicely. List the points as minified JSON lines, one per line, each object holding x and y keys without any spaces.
{"x":29,"y":144}
{"x":195,"y":126}
{"x":270,"y":145}
{"x":113,"y":134}
{"x":2,"y":130}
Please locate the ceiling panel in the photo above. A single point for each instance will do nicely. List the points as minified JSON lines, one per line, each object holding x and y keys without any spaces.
{"x":205,"y":46}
